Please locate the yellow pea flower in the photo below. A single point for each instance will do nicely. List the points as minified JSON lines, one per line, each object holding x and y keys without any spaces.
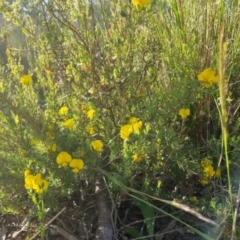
{"x":97,"y":145}
{"x":125,"y":131}
{"x":27,"y":172}
{"x":35,"y":182}
{"x":63,"y":158}
{"x":90,"y":113}
{"x":63,"y":111}
{"x":184,"y":112}
{"x":16,"y":119}
{"x":40,"y":185}
{"x":204,"y":181}
{"x":133,"y":120}
{"x":29,"y":181}
{"x":26,"y":80}
{"x":53,"y":148}
{"x":208,"y":171}
{"x":206,"y":162}
{"x":136,"y":157}
{"x":76,"y":165}
{"x":208,"y":77}
{"x":69,"y":123}
{"x":140,"y":3}
{"x":43,"y":187}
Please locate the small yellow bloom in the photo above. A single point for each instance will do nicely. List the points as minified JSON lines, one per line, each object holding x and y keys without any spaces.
{"x":204,"y":181}
{"x":133,"y":120}
{"x":69,"y":123}
{"x":40,"y":185}
{"x":37,"y":181}
{"x":136,"y":127}
{"x":53,"y":148}
{"x":43,"y":187}
{"x":76,"y":165}
{"x":16,"y":119}
{"x":26,"y":80}
{"x":63,"y":111}
{"x":184,"y":112}
{"x":97,"y":145}
{"x":90,"y":113}
{"x":208,"y":171}
{"x":208,"y":77}
{"x":63,"y":158}
{"x":193,"y":199}
{"x":125,"y":131}
{"x":140,"y":3}
{"x":27,"y":172}
{"x":136,"y":157}
{"x":217,"y":173}
{"x":90,"y":129}
{"x":206,"y":162}
{"x":29,"y":181}
{"x":136,"y":124}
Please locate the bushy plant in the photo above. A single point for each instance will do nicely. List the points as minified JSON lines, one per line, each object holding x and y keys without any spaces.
{"x":130,"y":85}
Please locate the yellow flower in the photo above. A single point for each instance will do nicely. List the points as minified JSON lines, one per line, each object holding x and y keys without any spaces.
{"x":217,"y":173}
{"x":90,"y":129}
{"x":16,"y":119}
{"x":50,"y":135}
{"x":193,"y":199}
{"x":76,"y":164}
{"x":63,"y":111}
{"x":208,"y":171}
{"x":136,"y":127}
{"x":39,"y":184}
{"x":125,"y":131}
{"x":204,"y":181}
{"x":133,"y":120}
{"x":69,"y":123}
{"x":206,"y":162}
{"x":26,"y":80}
{"x":53,"y":148}
{"x":90,"y":113}
{"x":208,"y":77}
{"x":184,"y":112}
{"x":137,"y":157}
{"x":63,"y":158}
{"x":27,"y":172}
{"x":36,"y":182}
{"x":140,"y":3}
{"x":42,"y":187}
{"x":29,"y":181}
{"x":136,"y":124}
{"x":97,"y":145}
